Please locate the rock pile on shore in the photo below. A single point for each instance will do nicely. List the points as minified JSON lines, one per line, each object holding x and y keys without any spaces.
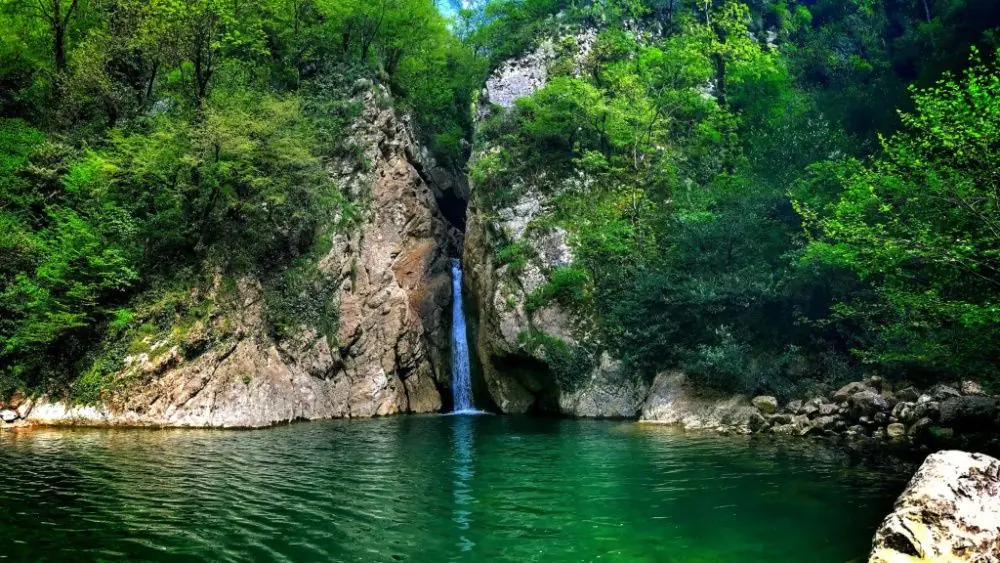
{"x":942,"y":416}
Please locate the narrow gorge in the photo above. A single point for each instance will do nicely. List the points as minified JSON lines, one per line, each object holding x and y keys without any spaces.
{"x":500,"y":280}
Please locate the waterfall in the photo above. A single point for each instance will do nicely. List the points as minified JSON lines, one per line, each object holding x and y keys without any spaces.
{"x":461,"y":381}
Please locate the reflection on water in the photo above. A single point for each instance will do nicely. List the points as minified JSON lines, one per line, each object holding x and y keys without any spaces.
{"x":463,"y":471}
{"x":455,"y":488}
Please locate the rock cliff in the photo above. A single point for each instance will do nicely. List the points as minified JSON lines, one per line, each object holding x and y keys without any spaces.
{"x":390,"y":290}
{"x":545,"y":357}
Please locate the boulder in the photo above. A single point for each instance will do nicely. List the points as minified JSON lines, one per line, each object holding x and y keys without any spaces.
{"x":828,"y":423}
{"x":929,"y":409}
{"x":809,"y":409}
{"x":908,"y":394}
{"x":921,"y":429}
{"x":969,"y":413}
{"x":765,"y":404}
{"x":793,"y":406}
{"x":877,"y":382}
{"x":904,"y":411}
{"x":950,"y":511}
{"x":674,"y":399}
{"x":878,"y":434}
{"x":8,"y":415}
{"x":850,"y":389}
{"x":785,"y":430}
{"x":941,"y":392}
{"x":970,"y":387}
{"x":780,"y":418}
{"x":756,"y":422}
{"x":827,"y":409}
{"x":866,"y":403}
{"x":895,"y":431}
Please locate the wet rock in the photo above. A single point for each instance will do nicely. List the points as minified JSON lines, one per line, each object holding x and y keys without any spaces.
{"x":793,"y":406}
{"x":809,"y":409}
{"x":765,"y":404}
{"x":910,"y":394}
{"x":785,"y":430}
{"x":895,"y":431}
{"x":904,"y":412}
{"x":969,"y":413}
{"x":920,"y":430}
{"x":970,"y":387}
{"x":828,"y":423}
{"x":828,"y":409}
{"x":673,"y":399}
{"x":8,"y":415}
{"x":756,"y":422}
{"x":857,"y":430}
{"x":950,"y":511}
{"x":942,"y":392}
{"x":606,"y":394}
{"x":780,"y":418}
{"x":866,"y":403}
{"x":929,"y":409}
{"x":845,"y":392}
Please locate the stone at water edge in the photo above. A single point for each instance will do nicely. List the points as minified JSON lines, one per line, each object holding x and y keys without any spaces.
{"x":969,"y":413}
{"x":850,"y":389}
{"x":866,"y":403}
{"x":765,"y":404}
{"x":910,"y":394}
{"x":794,"y":406}
{"x":949,"y":512}
{"x":895,"y":431}
{"x":971,"y":388}
{"x":8,"y":415}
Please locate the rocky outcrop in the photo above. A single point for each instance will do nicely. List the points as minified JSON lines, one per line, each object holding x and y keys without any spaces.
{"x":673,"y":399}
{"x":950,"y":511}
{"x":546,"y":356}
{"x":516,"y":346}
{"x":391,"y":286}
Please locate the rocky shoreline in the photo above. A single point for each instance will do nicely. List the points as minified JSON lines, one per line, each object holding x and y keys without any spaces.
{"x":943,"y":416}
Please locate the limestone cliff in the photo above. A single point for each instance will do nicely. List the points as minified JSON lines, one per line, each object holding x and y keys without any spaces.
{"x":390,"y":288}
{"x":545,"y":358}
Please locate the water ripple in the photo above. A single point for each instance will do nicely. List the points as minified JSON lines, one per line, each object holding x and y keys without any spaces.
{"x":432,"y":489}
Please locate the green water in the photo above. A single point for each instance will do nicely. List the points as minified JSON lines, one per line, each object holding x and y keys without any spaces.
{"x":434,"y":489}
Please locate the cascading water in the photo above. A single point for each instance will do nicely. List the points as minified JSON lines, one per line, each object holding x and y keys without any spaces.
{"x":461,"y":381}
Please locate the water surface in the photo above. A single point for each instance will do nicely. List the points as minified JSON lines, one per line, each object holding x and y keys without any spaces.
{"x":434,"y":489}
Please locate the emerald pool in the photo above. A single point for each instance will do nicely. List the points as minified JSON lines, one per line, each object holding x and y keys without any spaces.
{"x":435,"y":489}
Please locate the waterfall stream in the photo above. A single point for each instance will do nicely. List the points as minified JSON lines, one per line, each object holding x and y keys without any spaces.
{"x":461,"y":381}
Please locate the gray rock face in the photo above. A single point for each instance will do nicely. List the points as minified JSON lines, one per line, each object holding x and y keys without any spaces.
{"x":515,"y":344}
{"x":522,"y":76}
{"x":969,"y":413}
{"x":950,"y":511}
{"x":390,"y":351}
{"x":674,"y":400}
{"x":866,"y":404}
{"x":765,"y":404}
{"x":910,"y":394}
{"x":850,"y":389}
{"x":895,"y":431}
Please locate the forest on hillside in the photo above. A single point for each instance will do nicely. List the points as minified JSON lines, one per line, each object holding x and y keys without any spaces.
{"x":777,"y":191}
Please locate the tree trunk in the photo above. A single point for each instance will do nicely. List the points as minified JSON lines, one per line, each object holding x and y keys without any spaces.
{"x":59,"y":45}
